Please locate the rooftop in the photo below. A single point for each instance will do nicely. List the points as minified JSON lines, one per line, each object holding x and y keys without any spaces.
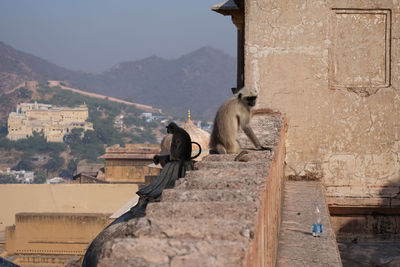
{"x":132,"y":151}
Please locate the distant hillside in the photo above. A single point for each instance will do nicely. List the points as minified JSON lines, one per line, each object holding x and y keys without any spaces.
{"x":17,"y":67}
{"x":113,"y":123}
{"x":200,"y":80}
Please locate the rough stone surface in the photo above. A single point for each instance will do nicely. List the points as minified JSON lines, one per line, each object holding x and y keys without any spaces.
{"x":218,"y":215}
{"x":206,"y":229}
{"x":173,"y":252}
{"x":208,"y":210}
{"x":332,"y":68}
{"x":234,"y":195}
{"x":297,"y":246}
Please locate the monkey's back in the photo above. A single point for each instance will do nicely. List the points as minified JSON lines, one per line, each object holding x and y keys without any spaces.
{"x":181,"y":145}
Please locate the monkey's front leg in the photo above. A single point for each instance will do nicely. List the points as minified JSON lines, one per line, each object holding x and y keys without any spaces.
{"x":253,"y":138}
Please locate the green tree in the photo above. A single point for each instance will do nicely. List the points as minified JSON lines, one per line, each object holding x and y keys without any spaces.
{"x":129,"y":99}
{"x":74,"y":137}
{"x":24,"y":164}
{"x":24,"y":93}
{"x":3,"y":130}
{"x":8,"y":179}
{"x":71,"y":169}
{"x":40,"y":177}
{"x":55,"y":163}
{"x":91,"y":138}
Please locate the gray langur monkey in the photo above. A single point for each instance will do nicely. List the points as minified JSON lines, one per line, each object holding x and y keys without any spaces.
{"x":234,"y":113}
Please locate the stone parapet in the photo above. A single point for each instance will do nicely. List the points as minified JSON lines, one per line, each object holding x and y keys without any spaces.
{"x":225,"y":213}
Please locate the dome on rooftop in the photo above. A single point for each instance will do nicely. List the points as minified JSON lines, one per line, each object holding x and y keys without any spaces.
{"x":197,"y":135}
{"x":166,"y":144}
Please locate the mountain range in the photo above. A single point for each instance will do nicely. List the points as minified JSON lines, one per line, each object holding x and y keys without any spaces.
{"x":199,"y":81}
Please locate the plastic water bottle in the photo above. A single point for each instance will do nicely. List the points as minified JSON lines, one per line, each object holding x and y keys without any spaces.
{"x":317,"y":226}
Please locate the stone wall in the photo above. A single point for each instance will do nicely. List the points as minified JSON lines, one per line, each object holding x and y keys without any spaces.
{"x":52,"y":239}
{"x":53,"y":233}
{"x":332,"y":68}
{"x":130,"y":164}
{"x":265,"y":245}
{"x":56,"y":198}
{"x":224,"y":213}
{"x":124,"y":171}
{"x":366,"y":224}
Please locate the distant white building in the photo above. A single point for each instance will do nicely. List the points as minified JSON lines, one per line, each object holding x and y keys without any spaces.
{"x":56,"y":180}
{"x":25,"y":177}
{"x":147,"y":116}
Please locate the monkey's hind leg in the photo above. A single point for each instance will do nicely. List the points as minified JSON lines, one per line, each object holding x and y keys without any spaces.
{"x":221,"y":149}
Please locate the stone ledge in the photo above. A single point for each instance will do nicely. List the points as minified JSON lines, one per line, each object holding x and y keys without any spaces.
{"x":172,"y":252}
{"x":297,"y":246}
{"x":200,"y":210}
{"x":225,"y":213}
{"x":206,"y":229}
{"x":196,"y":195}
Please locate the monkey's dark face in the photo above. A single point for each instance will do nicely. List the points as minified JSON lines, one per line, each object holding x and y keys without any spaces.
{"x":171,"y":127}
{"x":251,"y":101}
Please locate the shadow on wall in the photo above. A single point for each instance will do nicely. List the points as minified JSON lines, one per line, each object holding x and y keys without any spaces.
{"x":370,"y":235}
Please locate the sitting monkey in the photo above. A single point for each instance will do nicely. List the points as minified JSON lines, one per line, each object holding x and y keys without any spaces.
{"x":234,"y":113}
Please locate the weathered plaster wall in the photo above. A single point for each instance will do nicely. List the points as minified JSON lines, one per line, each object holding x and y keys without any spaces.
{"x":333,"y":68}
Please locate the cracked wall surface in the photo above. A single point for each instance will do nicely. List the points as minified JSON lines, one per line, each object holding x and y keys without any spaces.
{"x":333,"y":69}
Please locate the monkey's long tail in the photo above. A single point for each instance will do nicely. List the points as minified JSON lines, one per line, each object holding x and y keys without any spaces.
{"x":198,"y":154}
{"x":181,"y":163}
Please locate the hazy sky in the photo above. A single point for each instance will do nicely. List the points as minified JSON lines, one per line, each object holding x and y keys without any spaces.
{"x":94,"y":35}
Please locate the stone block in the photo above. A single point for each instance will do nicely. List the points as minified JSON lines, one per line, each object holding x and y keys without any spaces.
{"x":232,"y":180}
{"x":234,"y":165}
{"x":188,"y":228}
{"x":198,"y":195}
{"x":202,"y":210}
{"x":172,"y":252}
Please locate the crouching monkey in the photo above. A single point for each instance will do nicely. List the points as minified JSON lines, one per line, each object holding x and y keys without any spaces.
{"x":234,"y":113}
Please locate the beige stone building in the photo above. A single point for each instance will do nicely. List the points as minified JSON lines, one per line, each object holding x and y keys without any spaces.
{"x":332,"y":68}
{"x":55,"y":122}
{"x":134,"y":162}
{"x":130,"y":164}
{"x":50,"y":224}
{"x":52,"y":239}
